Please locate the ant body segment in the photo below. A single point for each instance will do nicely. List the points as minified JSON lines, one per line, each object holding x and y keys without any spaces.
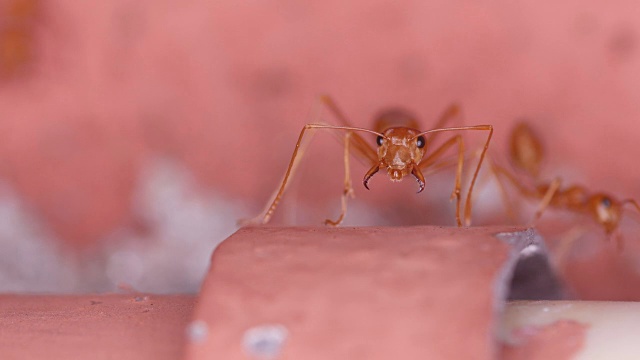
{"x":401,"y":151}
{"x":526,"y":153}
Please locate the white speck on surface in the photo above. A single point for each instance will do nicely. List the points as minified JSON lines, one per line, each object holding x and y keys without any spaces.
{"x":265,"y":342}
{"x":197,"y":331}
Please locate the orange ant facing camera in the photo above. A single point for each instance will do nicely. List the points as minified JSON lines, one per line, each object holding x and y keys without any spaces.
{"x":402,"y":150}
{"x":526,"y":153}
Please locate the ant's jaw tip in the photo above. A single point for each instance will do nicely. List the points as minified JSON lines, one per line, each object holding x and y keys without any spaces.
{"x":421,"y":185}
{"x":365,"y":182}
{"x":368,"y":175}
{"x":419,"y":178}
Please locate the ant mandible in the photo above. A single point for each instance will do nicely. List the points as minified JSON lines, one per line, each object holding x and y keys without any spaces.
{"x":526,"y":153}
{"x":401,"y":150}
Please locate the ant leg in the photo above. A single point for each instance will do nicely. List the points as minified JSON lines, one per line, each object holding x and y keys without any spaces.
{"x":489,"y":128}
{"x":632,"y":202}
{"x":295,"y":157}
{"x":548,"y":196}
{"x":273,"y":202}
{"x":637,"y":208}
{"x":565,"y":244}
{"x":456,"y":191}
{"x":497,"y":172}
{"x":553,"y":188}
{"x":433,"y":157}
{"x":467,"y":208}
{"x":452,"y":112}
{"x":360,"y":145}
{"x":447,"y":115}
{"x":441,"y":165}
{"x":348,"y":189}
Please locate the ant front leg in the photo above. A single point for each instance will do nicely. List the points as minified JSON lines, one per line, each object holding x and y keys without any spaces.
{"x":467,"y":205}
{"x":295,"y":158}
{"x":348,"y":188}
{"x":298,"y":152}
{"x":489,"y":128}
{"x":438,"y":153}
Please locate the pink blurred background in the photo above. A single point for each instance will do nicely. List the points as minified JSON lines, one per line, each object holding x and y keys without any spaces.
{"x":134,"y":134}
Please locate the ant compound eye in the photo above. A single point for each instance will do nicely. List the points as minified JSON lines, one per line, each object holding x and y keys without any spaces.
{"x":606,"y":202}
{"x":420,"y":142}
{"x":379,"y":140}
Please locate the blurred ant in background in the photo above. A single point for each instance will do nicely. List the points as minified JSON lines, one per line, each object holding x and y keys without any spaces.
{"x":401,"y":150}
{"x":526,"y":154}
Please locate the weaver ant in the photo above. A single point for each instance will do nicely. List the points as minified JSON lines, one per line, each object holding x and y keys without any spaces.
{"x":401,"y":150}
{"x":526,"y":153}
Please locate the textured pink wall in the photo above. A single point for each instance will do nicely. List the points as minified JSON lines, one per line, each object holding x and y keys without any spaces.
{"x":223,"y":87}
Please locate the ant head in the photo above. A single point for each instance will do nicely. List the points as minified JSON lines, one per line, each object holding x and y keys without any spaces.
{"x":400,"y":150}
{"x":606,"y":210}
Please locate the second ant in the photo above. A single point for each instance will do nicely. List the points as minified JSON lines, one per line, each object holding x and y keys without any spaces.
{"x":526,"y":153}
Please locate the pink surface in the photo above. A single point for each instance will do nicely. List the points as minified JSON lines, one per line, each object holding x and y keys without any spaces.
{"x":591,"y":264}
{"x":92,"y":93}
{"x":135,"y":326}
{"x":560,"y":340}
{"x":355,"y":293}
